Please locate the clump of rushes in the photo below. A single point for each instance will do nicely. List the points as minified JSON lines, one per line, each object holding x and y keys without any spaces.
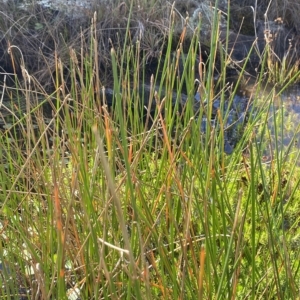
{"x":283,"y":70}
{"x":96,"y":205}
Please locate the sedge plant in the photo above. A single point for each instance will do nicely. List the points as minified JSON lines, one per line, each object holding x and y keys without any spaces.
{"x":131,"y":199}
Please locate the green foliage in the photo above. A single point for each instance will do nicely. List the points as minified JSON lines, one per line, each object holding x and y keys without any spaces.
{"x":281,"y":71}
{"x":97,"y":203}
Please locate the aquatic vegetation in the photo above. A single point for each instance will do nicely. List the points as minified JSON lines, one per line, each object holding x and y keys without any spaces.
{"x":132,"y":196}
{"x":285,"y":69}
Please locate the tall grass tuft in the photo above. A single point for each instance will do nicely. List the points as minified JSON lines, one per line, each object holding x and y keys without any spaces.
{"x":131,"y":199}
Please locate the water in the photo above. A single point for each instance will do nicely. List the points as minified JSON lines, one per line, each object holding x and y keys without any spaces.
{"x":288,"y":106}
{"x":281,"y":120}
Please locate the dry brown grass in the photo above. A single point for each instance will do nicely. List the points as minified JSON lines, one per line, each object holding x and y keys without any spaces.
{"x":288,"y":10}
{"x":41,"y":35}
